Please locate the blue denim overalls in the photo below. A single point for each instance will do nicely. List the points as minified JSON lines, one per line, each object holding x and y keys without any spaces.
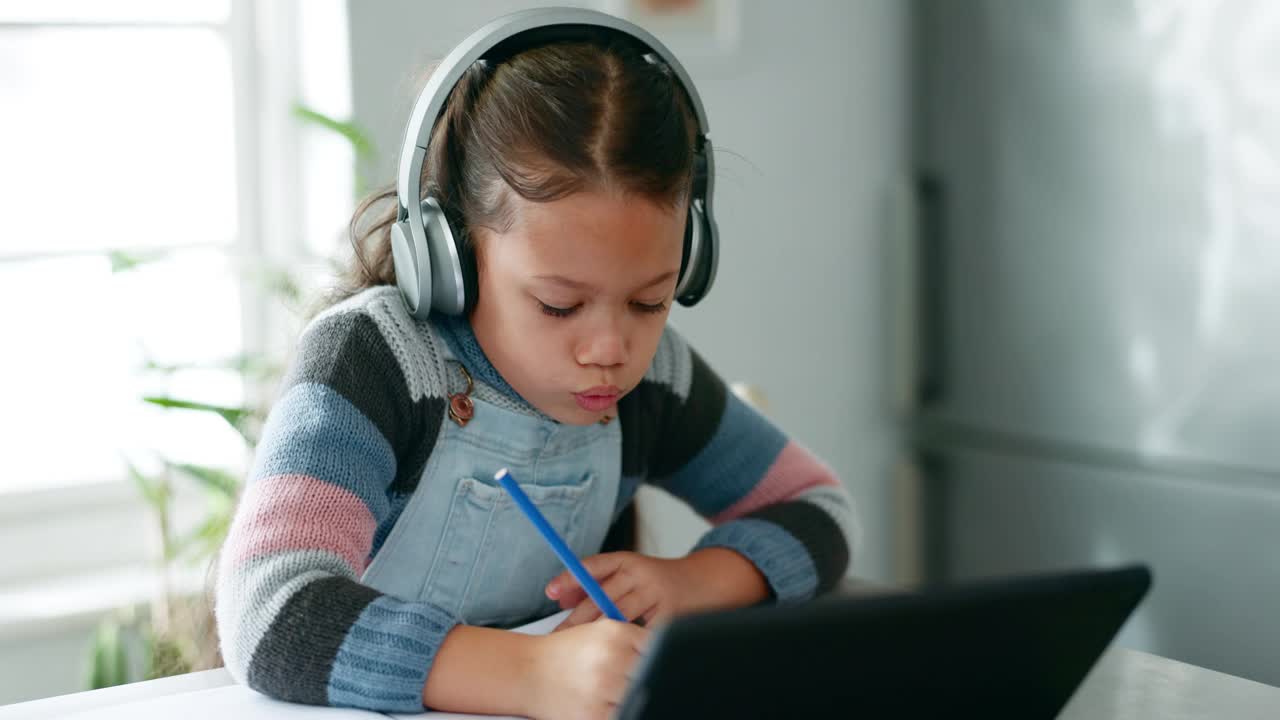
{"x":462,"y":544}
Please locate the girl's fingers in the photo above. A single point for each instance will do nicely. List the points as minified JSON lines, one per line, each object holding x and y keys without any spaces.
{"x":634,"y":605}
{"x":565,"y":588}
{"x":570,"y":597}
{"x":584,"y":613}
{"x":616,"y":586}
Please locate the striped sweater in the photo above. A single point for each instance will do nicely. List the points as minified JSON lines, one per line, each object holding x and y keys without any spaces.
{"x":344,"y":448}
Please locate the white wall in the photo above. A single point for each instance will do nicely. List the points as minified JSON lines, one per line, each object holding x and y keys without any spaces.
{"x":808,"y":114}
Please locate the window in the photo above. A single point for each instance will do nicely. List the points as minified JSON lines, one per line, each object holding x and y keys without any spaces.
{"x":151,"y":172}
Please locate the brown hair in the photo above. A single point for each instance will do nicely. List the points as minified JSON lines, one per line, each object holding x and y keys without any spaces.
{"x":545,"y":123}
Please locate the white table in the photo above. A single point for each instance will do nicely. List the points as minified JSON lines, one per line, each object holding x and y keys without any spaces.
{"x":1124,"y":685}
{"x":92,"y":699}
{"x":1131,"y":685}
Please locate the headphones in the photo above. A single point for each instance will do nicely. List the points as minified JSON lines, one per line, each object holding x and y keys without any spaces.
{"x":434,"y":270}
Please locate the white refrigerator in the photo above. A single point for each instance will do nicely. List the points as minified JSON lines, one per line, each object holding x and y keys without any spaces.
{"x":1097,"y":365}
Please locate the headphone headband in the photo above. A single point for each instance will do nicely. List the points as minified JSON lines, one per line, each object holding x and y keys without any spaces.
{"x":433,"y":269}
{"x":506,"y":36}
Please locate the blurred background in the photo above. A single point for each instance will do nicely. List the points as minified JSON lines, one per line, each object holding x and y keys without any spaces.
{"x":1008,"y":266}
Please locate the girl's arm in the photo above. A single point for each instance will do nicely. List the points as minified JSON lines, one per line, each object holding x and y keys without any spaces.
{"x":482,"y":670}
{"x":341,"y":448}
{"x":773,"y":502}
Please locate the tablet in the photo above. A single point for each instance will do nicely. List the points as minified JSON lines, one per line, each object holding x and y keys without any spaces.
{"x":1008,"y":647}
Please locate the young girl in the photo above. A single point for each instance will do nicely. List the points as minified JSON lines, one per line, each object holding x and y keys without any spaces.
{"x":373,"y":562}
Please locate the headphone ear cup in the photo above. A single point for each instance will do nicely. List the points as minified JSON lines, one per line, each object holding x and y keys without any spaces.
{"x":448,"y":277}
{"x":682,"y":277}
{"x":413,"y":269}
{"x":698,"y":266}
{"x":467,"y":264}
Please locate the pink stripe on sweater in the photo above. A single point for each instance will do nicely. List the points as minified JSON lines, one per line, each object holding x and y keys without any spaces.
{"x":794,"y":471}
{"x":300,"y":512}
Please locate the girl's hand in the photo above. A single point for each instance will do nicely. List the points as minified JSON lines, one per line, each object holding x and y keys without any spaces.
{"x":655,"y":589}
{"x":582,"y":674}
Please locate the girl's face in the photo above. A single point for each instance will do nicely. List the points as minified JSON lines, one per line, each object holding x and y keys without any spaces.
{"x":574,"y":296}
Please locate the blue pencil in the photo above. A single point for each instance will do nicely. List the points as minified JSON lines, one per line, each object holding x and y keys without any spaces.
{"x":562,"y":550}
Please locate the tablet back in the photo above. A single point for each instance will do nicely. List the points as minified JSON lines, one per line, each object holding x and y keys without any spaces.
{"x":1016,"y":646}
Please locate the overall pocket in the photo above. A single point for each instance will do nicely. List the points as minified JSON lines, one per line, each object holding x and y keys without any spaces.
{"x":493,"y":560}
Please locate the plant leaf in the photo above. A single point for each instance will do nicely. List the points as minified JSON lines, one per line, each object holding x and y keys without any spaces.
{"x":204,"y":540}
{"x":236,"y":417}
{"x":358,"y":138}
{"x":281,"y":283}
{"x":166,"y":657}
{"x":218,"y":481}
{"x":122,"y":261}
{"x":155,"y":492}
{"x":108,"y":663}
{"x":251,"y":365}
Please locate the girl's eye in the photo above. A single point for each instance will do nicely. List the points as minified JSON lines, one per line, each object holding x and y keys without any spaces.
{"x":559,"y":312}
{"x":650,"y":308}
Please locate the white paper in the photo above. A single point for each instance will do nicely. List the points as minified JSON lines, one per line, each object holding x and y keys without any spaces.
{"x":543,"y":626}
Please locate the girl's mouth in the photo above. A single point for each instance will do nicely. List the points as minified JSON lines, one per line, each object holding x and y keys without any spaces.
{"x":601,"y":397}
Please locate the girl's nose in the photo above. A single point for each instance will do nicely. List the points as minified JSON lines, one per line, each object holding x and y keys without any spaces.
{"x":605,"y":347}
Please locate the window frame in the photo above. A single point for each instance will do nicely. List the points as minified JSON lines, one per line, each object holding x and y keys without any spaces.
{"x":263,"y":51}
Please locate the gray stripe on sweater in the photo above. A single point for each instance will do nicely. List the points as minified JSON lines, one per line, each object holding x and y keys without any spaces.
{"x":415,"y":344}
{"x":249,"y":597}
{"x":672,"y":365}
